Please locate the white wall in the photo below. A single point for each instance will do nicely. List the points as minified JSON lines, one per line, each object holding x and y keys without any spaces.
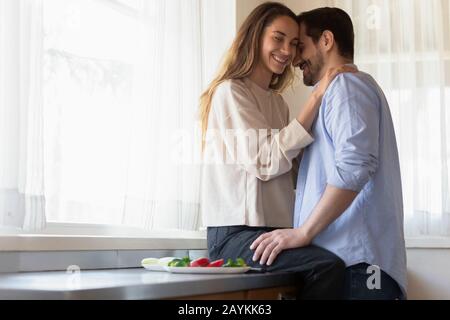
{"x":429,"y":274}
{"x":243,"y":9}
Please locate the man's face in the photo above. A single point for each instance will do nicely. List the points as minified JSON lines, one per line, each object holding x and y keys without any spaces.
{"x":309,"y":59}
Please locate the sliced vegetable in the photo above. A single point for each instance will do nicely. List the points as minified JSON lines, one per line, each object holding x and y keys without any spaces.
{"x":202,"y":262}
{"x":216,"y":264}
{"x":150,"y":261}
{"x":229,"y":264}
{"x":174,"y":262}
{"x":180,"y":262}
{"x":239,"y":263}
{"x":165,"y":261}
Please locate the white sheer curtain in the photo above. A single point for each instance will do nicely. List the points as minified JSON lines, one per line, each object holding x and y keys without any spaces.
{"x":98,"y":97}
{"x":22,"y":199}
{"x":163,"y":176}
{"x":405,"y":45}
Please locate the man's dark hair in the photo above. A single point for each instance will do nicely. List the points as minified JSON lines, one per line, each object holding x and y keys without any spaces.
{"x":332,"y":19}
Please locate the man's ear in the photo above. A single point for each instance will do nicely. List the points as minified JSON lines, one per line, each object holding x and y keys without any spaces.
{"x":327,"y":40}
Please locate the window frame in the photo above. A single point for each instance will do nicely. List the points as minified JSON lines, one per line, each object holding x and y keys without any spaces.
{"x":92,"y":237}
{"x":87,"y":237}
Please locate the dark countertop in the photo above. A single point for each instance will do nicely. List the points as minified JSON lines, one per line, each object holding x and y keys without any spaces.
{"x":130,"y":284}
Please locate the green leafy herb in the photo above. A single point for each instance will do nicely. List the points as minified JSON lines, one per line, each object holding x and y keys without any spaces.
{"x":239,"y":263}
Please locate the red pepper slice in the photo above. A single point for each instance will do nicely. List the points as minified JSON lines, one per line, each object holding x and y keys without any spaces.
{"x":216,"y":264}
{"x":202,"y":262}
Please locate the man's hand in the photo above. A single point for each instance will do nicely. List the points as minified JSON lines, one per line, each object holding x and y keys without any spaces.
{"x":268,"y":246}
{"x":332,"y":205}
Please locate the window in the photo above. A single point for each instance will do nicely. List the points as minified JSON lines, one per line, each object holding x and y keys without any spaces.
{"x":103,"y":90}
{"x":90,"y":49}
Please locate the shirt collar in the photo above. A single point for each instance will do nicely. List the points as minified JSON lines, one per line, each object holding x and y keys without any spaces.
{"x":347,"y":64}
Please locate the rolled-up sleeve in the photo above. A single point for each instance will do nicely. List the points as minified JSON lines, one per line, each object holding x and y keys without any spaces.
{"x":352,"y":119}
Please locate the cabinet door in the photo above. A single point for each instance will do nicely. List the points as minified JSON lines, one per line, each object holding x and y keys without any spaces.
{"x":278,"y":293}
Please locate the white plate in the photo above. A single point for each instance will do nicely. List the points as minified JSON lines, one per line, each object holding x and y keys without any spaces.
{"x":154,"y":267}
{"x":206,"y":270}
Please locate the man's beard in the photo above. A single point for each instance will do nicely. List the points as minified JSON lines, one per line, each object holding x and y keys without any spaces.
{"x":315,"y":69}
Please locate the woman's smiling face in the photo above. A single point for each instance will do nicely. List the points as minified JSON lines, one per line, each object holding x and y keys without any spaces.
{"x":279,"y":45}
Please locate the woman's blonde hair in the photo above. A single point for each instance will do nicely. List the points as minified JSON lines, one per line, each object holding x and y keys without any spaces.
{"x":242,"y":57}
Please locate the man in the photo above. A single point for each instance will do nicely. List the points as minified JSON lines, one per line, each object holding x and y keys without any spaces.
{"x":349,"y":196}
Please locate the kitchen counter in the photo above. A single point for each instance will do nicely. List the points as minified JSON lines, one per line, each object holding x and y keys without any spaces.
{"x":134,"y":284}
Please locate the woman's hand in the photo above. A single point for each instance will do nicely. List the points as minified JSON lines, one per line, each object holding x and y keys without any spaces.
{"x":309,"y":111}
{"x":269,"y":245}
{"x":330,"y":75}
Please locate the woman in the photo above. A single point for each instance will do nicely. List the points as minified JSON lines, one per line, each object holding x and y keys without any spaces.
{"x":249,"y":147}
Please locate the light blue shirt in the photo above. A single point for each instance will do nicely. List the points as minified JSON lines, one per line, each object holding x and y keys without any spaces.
{"x":355,"y":149}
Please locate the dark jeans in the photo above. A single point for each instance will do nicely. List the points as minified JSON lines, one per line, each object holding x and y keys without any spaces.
{"x":356,"y":287}
{"x":321,"y":273}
